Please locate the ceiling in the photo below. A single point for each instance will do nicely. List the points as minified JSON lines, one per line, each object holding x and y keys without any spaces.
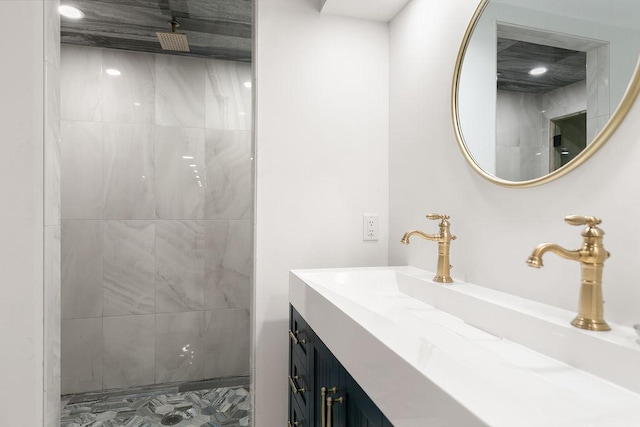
{"x":517,"y":58}
{"x":220,"y":29}
{"x":374,"y":10}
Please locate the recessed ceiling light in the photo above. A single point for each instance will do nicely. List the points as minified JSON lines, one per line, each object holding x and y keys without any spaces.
{"x":70,"y":12}
{"x":247,"y":84}
{"x":538,"y":71}
{"x":113,"y":72}
{"x":187,"y":157}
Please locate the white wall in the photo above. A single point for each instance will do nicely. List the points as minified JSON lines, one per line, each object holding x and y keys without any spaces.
{"x":29,"y":218}
{"x":498,"y":227}
{"x":321,"y":144}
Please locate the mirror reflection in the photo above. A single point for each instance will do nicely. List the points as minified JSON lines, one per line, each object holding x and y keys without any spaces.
{"x":539,"y":82}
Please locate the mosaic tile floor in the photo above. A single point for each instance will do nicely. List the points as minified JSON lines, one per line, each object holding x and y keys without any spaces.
{"x":216,"y":403}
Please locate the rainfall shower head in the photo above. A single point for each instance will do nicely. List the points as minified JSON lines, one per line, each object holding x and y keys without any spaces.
{"x":173,"y":40}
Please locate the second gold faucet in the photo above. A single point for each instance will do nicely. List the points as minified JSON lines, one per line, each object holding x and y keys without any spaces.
{"x":444,"y":238}
{"x":591,"y":256}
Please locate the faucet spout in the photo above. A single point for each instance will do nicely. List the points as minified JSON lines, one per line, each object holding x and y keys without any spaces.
{"x":535,"y":260}
{"x":408,"y":234}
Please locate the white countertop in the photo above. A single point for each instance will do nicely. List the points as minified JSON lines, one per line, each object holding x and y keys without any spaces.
{"x":423,"y":366}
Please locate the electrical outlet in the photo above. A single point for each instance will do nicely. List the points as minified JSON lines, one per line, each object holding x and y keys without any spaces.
{"x":370,"y":227}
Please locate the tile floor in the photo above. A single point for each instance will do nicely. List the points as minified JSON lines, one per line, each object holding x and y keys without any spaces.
{"x":210,"y":403}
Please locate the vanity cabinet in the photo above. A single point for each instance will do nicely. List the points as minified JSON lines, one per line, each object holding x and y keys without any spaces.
{"x":321,"y":391}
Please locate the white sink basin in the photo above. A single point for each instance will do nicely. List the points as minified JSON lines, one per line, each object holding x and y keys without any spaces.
{"x":506,"y":360}
{"x":613,"y":355}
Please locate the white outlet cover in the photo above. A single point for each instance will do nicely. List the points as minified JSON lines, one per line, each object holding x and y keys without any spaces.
{"x":370,"y":227}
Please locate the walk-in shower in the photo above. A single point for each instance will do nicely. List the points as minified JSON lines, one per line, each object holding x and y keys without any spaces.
{"x":156,"y":201}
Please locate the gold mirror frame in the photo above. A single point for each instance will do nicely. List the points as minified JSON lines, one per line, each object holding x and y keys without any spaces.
{"x":616,"y":118}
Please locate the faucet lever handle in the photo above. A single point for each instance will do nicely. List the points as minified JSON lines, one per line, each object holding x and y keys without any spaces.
{"x":591,"y":221}
{"x":435,"y":216}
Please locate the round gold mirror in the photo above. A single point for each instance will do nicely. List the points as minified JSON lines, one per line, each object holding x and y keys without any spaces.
{"x":540,"y":85}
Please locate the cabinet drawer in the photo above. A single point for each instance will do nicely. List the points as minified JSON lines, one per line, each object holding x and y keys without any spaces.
{"x":298,"y":334}
{"x":299,"y":383}
{"x":297,"y":417}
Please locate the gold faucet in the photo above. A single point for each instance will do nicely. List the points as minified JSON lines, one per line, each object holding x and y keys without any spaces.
{"x":444,"y":239}
{"x":591,"y":257}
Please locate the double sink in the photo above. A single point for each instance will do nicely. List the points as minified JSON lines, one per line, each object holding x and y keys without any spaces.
{"x":466,"y":355}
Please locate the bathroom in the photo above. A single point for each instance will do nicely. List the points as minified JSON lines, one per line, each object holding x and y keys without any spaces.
{"x":352,"y":116}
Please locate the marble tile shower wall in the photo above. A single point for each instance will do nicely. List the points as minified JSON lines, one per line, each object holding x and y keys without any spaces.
{"x":156,"y":218}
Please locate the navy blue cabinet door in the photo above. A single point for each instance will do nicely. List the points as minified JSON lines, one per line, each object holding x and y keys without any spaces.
{"x":328,"y":388}
{"x":321,"y":390}
{"x":361,"y":411}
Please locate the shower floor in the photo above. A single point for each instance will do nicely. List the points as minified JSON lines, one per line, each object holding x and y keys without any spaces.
{"x":211,"y":403}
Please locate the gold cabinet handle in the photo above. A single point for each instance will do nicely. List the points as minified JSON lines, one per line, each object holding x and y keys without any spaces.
{"x":330,"y":402}
{"x":323,"y":411}
{"x":294,"y":386}
{"x":323,"y":404}
{"x":294,"y":337}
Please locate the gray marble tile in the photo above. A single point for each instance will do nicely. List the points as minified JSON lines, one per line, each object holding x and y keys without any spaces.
{"x":179,"y":266}
{"x":180,"y":181}
{"x":564,"y":101}
{"x":128,"y":171}
{"x":530,"y":120}
{"x":80,"y":83}
{"x":543,"y":160}
{"x":507,"y":119}
{"x":228,"y":194}
{"x":226,"y":343}
{"x":52,"y":322}
{"x":129,"y":268}
{"x":81,"y":361}
{"x":128,"y":351}
{"x":228,"y":263}
{"x":508,"y":163}
{"x":179,"y":91}
{"x":603,"y":81}
{"x":130,"y":96}
{"x":81,"y":269}
{"x":592,"y":83}
{"x":215,"y":29}
{"x":179,"y":346}
{"x":228,"y":99}
{"x":530,"y":164}
{"x":81,"y":170}
{"x":52,"y":146}
{"x":595,"y":126}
